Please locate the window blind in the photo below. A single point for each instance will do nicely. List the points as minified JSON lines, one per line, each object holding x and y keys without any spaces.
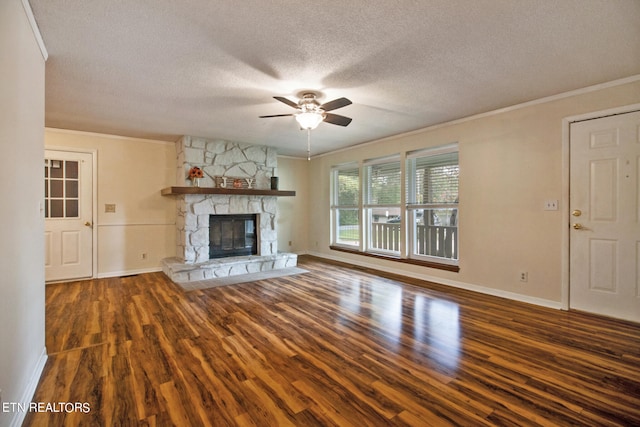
{"x":348,"y":191}
{"x":383,"y":184}
{"x":435,"y":179}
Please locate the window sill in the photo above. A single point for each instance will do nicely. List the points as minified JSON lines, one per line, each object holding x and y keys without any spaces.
{"x":430,"y":264}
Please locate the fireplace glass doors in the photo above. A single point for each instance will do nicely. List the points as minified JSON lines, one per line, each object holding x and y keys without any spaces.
{"x":232,"y":235}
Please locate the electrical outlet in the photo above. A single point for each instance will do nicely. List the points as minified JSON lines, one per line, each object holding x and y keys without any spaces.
{"x":524,"y":276}
{"x":144,"y":255}
{"x":551,"y":205}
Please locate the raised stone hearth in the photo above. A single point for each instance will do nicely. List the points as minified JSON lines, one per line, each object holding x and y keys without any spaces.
{"x":224,"y":159}
{"x":181,"y":272}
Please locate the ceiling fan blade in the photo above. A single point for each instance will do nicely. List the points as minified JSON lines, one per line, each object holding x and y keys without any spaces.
{"x":335,"y":104}
{"x":336,"y":119}
{"x":275,"y":115}
{"x":286,"y":101}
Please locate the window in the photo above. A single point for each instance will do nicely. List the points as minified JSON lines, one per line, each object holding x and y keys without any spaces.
{"x":407,"y":210}
{"x":346,"y":206}
{"x":432,"y":204}
{"x":382,"y":206}
{"x":61,"y":185}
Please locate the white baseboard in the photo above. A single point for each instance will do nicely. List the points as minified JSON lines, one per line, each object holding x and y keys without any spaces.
{"x":30,"y":389}
{"x":453,"y":283}
{"x":128,"y":272}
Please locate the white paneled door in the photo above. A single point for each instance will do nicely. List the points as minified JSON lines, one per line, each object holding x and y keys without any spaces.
{"x":605,"y":213}
{"x":68,"y":210}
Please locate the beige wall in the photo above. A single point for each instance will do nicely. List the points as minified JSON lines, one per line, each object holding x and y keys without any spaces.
{"x":510,"y":163}
{"x":22,"y":330}
{"x":293,"y":212}
{"x":130,"y":174}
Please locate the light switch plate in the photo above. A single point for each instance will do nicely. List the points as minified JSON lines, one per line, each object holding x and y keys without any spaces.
{"x":110,"y":208}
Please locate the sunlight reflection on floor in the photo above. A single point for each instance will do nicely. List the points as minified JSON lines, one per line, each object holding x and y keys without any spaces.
{"x":435,"y":322}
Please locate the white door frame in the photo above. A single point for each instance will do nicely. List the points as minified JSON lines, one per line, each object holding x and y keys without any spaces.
{"x":94,"y":199}
{"x":566,"y":164}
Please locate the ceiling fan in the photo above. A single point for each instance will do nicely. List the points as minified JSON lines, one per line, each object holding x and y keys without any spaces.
{"x":311,"y":113}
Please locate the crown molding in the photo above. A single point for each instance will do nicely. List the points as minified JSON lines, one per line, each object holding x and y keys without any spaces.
{"x":108,"y":136}
{"x":34,"y":27}
{"x":576,"y":92}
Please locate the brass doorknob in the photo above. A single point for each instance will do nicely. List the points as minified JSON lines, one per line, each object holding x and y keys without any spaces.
{"x":576,"y":212}
{"x":577,"y":226}
{"x":88,"y":223}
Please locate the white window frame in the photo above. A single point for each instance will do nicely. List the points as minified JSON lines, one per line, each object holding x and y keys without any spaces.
{"x":336,"y":207}
{"x":368,"y":207}
{"x":411,"y":206}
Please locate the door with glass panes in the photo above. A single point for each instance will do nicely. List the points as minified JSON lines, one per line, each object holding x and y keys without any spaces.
{"x":68,"y":187}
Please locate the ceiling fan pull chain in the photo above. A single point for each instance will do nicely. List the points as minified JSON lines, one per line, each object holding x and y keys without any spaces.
{"x":308,"y":144}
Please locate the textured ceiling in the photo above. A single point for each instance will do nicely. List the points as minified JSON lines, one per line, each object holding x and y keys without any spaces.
{"x":160,"y":69}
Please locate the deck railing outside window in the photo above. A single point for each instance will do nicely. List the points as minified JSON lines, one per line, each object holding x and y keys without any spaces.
{"x":432,"y":240}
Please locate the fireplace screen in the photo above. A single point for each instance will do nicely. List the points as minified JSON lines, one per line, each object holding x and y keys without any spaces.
{"x":232,"y":235}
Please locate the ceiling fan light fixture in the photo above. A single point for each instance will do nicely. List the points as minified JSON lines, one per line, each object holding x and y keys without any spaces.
{"x":309,"y":119}
{"x":311,"y":113}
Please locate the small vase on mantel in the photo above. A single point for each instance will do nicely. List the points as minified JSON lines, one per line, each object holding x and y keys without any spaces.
{"x":195,"y":173}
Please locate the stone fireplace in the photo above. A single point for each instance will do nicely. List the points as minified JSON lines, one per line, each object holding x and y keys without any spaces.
{"x":256,"y":164}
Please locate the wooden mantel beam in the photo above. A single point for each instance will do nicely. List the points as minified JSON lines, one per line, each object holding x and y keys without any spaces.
{"x":176,"y":191}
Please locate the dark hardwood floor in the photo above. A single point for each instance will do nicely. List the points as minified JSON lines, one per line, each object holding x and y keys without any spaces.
{"x":335,"y":346}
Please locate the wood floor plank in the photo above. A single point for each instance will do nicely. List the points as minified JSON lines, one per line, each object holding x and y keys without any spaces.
{"x":430,"y":408}
{"x":337,"y":346}
{"x":173,"y":399}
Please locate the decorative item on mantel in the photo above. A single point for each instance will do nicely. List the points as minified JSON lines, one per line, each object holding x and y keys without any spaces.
{"x":195,"y":174}
{"x":234,"y":182}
